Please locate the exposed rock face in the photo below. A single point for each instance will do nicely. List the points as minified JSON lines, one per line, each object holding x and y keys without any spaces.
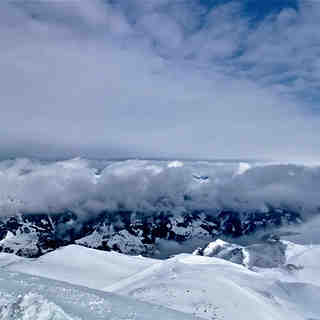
{"x":270,"y":253}
{"x":131,"y":232}
{"x":34,"y":235}
{"x":224,"y":250}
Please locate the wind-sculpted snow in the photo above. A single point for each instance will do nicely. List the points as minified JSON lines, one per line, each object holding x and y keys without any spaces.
{"x":207,"y":287}
{"x":90,"y":187}
{"x":79,"y":265}
{"x":33,"y":306}
{"x":24,"y":297}
{"x":216,"y":289}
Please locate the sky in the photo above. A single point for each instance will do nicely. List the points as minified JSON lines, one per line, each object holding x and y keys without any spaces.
{"x":160,"y":78}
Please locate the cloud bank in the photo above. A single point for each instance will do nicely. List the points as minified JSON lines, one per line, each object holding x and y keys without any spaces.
{"x":155,"y":186}
{"x":158,"y":79}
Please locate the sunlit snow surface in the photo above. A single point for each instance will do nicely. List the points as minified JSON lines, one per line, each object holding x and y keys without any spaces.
{"x":209,"y":288}
{"x":24,"y":297}
{"x":79,"y":265}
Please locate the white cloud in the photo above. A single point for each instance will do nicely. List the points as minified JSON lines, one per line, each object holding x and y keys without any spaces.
{"x":147,"y":186}
{"x":148,"y":79}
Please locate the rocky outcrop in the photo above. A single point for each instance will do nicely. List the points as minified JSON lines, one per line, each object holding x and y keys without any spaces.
{"x":32,"y":235}
{"x":268,"y":253}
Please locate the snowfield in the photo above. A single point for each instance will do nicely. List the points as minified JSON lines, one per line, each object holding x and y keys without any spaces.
{"x":216,"y":289}
{"x":82,"y":266}
{"x":24,"y":297}
{"x":205,"y":287}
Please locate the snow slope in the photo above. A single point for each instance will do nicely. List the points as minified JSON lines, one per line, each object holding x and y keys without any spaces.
{"x":82,"y":266}
{"x":310,"y":261}
{"x":305,"y":258}
{"x":216,"y":289}
{"x":6,"y":259}
{"x":25,"y":297}
{"x":206,"y":287}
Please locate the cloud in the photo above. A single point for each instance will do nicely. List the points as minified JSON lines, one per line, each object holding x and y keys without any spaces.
{"x":157,"y":78}
{"x":288,"y":54}
{"x":148,"y":186}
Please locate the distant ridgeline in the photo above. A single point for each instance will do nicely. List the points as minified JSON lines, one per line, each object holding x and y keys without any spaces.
{"x":130,"y":232}
{"x":138,"y":206}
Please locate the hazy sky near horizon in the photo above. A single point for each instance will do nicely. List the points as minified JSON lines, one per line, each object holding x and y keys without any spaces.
{"x":160,"y":78}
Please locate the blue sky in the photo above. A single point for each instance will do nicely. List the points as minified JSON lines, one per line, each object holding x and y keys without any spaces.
{"x":256,"y":10}
{"x":160,"y":78}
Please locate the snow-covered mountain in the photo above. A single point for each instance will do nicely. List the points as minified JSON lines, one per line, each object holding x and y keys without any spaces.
{"x":269,"y":253}
{"x":146,"y":218}
{"x":204,"y":287}
{"x":130,"y":232}
{"x":79,"y":265}
{"x":136,"y":206}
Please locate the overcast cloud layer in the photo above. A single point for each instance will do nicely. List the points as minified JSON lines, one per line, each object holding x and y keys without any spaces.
{"x":159,"y":78}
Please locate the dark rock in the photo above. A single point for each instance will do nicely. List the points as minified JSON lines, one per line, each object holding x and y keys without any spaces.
{"x":32,"y":235}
